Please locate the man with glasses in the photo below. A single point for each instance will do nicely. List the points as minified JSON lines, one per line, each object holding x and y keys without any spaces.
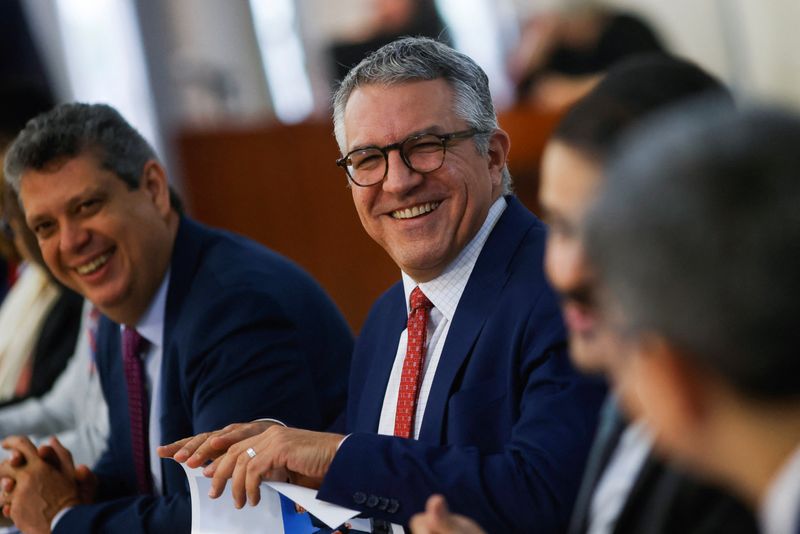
{"x":460,"y":382}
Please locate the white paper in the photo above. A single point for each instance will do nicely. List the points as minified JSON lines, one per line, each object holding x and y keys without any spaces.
{"x":220,"y":516}
{"x":331,"y":514}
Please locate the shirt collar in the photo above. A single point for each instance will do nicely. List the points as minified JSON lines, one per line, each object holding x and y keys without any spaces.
{"x":779,"y":510}
{"x":151,"y":325}
{"x":445,"y":290}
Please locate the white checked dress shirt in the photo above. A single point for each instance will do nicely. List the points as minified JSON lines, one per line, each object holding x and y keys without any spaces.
{"x":444,"y":292}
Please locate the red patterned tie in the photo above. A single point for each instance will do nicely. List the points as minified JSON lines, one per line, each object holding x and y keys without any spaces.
{"x":412,"y":365}
{"x":133,"y":345}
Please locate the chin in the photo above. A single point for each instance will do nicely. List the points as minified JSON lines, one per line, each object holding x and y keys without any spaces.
{"x":586,"y":356}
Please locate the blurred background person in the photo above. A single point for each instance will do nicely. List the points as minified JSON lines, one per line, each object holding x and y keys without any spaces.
{"x":562,"y":53}
{"x":626,"y":487}
{"x":388,"y":20}
{"x":39,"y":318}
{"x":697,"y":238}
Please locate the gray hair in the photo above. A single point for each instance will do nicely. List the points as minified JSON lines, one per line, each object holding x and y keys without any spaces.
{"x":420,"y":59}
{"x":697,"y":236}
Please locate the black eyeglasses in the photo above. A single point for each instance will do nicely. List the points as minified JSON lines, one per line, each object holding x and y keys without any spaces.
{"x":421,"y":153}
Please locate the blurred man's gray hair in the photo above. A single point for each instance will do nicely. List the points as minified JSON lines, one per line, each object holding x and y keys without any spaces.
{"x":697,"y":235}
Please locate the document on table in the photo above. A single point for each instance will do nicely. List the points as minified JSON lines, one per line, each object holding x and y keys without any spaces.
{"x":275,"y":514}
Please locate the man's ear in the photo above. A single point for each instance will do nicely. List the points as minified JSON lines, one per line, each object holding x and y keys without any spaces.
{"x":154,"y":182}
{"x":499,"y":145}
{"x":671,"y":389}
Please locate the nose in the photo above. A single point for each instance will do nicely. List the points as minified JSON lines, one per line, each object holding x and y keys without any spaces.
{"x":73,"y":236}
{"x":565,"y":263}
{"x":400,"y":179}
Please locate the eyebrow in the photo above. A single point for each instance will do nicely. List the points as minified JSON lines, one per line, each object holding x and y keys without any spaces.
{"x":73,"y":201}
{"x":433,"y":129}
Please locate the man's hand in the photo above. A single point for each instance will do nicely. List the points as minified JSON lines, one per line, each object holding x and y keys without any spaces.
{"x":306,"y":455}
{"x":437,"y":519}
{"x":41,"y":487}
{"x":199,"y":449}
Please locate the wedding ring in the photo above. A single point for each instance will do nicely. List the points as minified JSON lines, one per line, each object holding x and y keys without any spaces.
{"x":250,"y":452}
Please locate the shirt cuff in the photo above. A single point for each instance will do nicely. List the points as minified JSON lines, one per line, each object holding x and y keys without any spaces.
{"x":340,"y":443}
{"x":271,"y":420}
{"x":58,"y":517}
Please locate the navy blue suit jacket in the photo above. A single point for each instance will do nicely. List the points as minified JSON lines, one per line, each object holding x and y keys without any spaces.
{"x":247,"y":334}
{"x":508,"y":422}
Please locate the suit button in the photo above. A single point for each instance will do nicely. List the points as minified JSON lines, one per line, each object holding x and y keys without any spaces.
{"x":394,"y":505}
{"x":372,"y":501}
{"x":383,"y":503}
{"x":359,"y":497}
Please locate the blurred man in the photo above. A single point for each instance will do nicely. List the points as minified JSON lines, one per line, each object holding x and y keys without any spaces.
{"x":208,"y":328}
{"x":698,"y":237}
{"x":626,"y":489}
{"x":460,"y":384}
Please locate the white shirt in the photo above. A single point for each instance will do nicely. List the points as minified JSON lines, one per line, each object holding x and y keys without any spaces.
{"x":151,"y":328}
{"x":780,"y":511}
{"x":617,"y":480}
{"x":444,"y":292}
{"x":74,"y":408}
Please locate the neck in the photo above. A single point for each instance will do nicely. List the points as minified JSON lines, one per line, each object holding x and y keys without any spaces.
{"x":766,"y":435}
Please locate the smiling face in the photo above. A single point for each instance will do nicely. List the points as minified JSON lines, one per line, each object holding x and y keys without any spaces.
{"x":110,"y":243}
{"x":569,"y":184}
{"x":422,"y":220}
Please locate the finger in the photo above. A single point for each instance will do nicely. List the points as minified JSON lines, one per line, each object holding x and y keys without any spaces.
{"x":239,"y":479}
{"x":23,"y":445}
{"x":188,"y":448}
{"x":169,"y":450}
{"x":219,"y":442}
{"x":16,"y":459}
{"x":67,"y":464}
{"x":7,"y":510}
{"x":7,"y":484}
{"x":437,"y":507}
{"x":211,"y":468}
{"x":49,"y":455}
{"x":253,"y":481}
{"x":222,"y":472}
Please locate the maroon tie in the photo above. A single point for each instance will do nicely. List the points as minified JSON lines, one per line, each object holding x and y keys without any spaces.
{"x":133,"y":345}
{"x":412,"y":365}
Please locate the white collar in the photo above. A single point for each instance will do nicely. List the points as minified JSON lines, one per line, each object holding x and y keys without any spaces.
{"x":454,"y":278}
{"x":780,"y":510}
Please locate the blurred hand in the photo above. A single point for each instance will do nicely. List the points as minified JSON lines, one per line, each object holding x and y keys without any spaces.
{"x":303,"y":455}
{"x":437,"y":519}
{"x":42,"y":486}
{"x":200,"y":449}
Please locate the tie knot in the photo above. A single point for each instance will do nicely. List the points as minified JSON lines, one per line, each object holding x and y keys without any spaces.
{"x":419,"y":300}
{"x":133,"y":344}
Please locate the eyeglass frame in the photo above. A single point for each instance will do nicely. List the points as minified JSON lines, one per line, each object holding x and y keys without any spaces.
{"x":443,"y":138}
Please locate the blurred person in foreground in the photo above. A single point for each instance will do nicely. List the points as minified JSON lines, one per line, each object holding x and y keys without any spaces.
{"x":697,"y":236}
{"x":460,"y":384}
{"x":200,"y":327}
{"x":626,"y":488}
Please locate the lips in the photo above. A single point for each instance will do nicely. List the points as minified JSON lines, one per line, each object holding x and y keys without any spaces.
{"x":579,"y":319}
{"x":415,"y":211}
{"x":93,"y":265}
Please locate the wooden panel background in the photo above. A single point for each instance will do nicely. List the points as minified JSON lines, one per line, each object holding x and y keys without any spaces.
{"x":279,"y":185}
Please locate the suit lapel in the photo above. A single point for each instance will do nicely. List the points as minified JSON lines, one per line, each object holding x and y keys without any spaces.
{"x":383,"y":355}
{"x":485,"y":283}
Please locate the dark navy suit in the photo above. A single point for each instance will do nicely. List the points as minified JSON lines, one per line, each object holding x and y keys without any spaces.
{"x":508,"y":422}
{"x":246,"y":335}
